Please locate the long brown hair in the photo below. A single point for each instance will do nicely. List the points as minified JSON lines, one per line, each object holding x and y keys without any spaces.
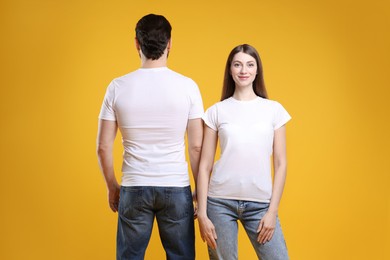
{"x":258,"y":84}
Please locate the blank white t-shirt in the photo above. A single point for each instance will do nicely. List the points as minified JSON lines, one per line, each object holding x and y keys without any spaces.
{"x":152,"y":108}
{"x":246,"y":131}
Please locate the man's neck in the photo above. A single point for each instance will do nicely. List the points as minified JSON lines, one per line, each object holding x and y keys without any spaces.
{"x":149,"y":63}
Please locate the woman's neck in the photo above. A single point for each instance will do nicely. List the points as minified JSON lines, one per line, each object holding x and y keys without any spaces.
{"x":244,"y":94}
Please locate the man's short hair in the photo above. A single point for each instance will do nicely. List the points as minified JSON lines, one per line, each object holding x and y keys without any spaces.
{"x":153,"y":33}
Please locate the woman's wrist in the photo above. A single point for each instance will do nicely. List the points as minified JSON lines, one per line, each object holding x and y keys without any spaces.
{"x":273,"y":210}
{"x":202,"y":215}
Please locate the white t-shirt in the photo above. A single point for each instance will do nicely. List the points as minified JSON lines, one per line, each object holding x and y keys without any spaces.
{"x":246,"y":131}
{"x":152,"y":108}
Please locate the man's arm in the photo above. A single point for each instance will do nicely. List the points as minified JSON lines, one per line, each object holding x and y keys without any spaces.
{"x":194,"y":138}
{"x":105,"y":142}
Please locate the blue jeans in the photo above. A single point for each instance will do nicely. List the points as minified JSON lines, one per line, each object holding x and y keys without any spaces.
{"x":224,"y":214}
{"x":174,"y":212}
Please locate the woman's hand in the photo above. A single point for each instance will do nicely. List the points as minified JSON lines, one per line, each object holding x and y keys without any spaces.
{"x":266,"y":227}
{"x":207,"y":231}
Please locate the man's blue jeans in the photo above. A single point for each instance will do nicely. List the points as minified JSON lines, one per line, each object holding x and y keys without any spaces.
{"x":174,"y":212}
{"x":225,"y":213}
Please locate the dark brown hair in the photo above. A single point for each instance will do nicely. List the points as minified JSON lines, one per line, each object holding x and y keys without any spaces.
{"x":258,"y":84}
{"x":153,"y":33}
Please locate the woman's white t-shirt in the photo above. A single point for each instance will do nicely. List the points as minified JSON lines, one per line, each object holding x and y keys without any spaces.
{"x":246,"y":132}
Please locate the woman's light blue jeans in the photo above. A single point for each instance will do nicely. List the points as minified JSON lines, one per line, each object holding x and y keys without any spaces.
{"x":225,"y":213}
{"x":174,"y":212}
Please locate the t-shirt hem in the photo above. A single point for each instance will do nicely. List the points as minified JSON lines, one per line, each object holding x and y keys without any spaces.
{"x":240,"y":198}
{"x":154,"y":185}
{"x":195,"y":116}
{"x":282,"y":123}
{"x":209,"y":124}
{"x":106,"y":118}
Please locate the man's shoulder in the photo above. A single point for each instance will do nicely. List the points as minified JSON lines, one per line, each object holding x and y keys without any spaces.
{"x":180,"y":76}
{"x":127,"y":75}
{"x":124,"y":79}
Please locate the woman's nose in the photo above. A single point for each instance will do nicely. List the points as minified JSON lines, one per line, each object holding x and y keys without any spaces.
{"x":243,"y":70}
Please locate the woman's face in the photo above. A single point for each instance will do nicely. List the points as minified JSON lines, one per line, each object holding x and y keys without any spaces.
{"x":243,"y":69}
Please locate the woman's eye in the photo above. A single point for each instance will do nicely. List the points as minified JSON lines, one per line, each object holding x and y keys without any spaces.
{"x":236,"y":65}
{"x":251,"y":64}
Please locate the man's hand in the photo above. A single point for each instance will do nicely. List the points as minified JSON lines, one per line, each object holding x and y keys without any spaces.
{"x":195,"y":201}
{"x":113,"y":196}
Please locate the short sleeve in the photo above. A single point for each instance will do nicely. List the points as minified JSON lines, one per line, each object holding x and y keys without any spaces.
{"x":281,"y":116}
{"x":210,"y":118}
{"x":107,"y":111}
{"x":196,"y":109}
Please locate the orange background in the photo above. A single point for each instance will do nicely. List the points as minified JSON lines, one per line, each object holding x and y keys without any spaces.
{"x":327,"y":62}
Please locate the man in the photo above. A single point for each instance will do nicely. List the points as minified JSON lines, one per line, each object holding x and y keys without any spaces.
{"x":153,"y":107}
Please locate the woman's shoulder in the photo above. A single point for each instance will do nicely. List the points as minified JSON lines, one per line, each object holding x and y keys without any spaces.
{"x":270,"y":102}
{"x":214,"y":106}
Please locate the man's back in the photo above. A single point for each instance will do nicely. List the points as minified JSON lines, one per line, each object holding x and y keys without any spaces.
{"x":152,"y":107}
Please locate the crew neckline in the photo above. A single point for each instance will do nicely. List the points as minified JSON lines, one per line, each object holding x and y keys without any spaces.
{"x":154,"y":69}
{"x":245,"y":101}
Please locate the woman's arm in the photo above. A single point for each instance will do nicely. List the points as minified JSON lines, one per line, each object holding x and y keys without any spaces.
{"x":207,"y":230}
{"x":268,"y":222}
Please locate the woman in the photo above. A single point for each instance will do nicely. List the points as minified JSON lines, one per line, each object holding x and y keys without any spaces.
{"x":250,"y":129}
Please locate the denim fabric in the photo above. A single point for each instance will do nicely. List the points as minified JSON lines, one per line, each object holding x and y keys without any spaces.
{"x":224,"y":214}
{"x":173,"y":209}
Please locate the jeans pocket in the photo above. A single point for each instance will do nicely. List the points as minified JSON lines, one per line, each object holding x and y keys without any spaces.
{"x":130,"y":201}
{"x":179,"y":203}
